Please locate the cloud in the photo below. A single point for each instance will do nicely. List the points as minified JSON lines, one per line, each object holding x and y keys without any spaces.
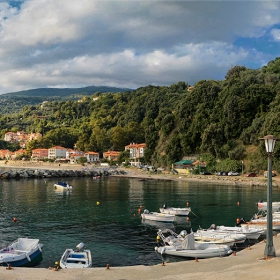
{"x":50,"y":43}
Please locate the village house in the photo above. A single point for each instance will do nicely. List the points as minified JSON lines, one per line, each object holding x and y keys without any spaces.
{"x":57,"y":152}
{"x":92,"y":157}
{"x":39,"y":154}
{"x":5,"y":154}
{"x":136,"y":152}
{"x":111,"y":155}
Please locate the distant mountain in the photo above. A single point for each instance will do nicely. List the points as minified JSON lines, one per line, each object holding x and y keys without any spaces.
{"x":14,"y":101}
{"x":61,"y":92}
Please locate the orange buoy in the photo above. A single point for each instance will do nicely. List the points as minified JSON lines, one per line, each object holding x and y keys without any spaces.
{"x":238,"y":203}
{"x":139,"y":210}
{"x":237,"y":221}
{"x":188,"y":219}
{"x":15,"y":220}
{"x":187,"y":203}
{"x":141,"y":206}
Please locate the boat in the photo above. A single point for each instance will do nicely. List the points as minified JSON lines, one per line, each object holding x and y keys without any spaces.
{"x":154,"y":216}
{"x":78,"y":258}
{"x":184,"y":245}
{"x":22,"y":252}
{"x":263,"y":204}
{"x":63,"y":186}
{"x":175,"y":211}
{"x":237,"y":237}
{"x":250,"y":233}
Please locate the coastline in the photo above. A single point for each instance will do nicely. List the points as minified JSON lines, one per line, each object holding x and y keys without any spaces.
{"x":247,"y":263}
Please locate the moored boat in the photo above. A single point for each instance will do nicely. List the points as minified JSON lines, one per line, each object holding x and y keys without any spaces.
{"x":186,"y":246}
{"x":22,"y":252}
{"x":175,"y":211}
{"x":63,"y":186}
{"x":154,"y":216}
{"x":78,"y":258}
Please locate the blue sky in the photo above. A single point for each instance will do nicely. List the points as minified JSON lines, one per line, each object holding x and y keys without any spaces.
{"x":76,"y":43}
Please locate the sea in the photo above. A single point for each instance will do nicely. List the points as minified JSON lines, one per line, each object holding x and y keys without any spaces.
{"x":104,"y":214}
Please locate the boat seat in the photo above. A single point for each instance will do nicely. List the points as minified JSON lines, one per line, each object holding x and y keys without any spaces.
{"x":72,"y":260}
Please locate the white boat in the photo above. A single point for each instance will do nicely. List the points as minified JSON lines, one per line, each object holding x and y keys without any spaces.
{"x":237,"y":237}
{"x":175,"y":211}
{"x":22,"y":252}
{"x":63,"y":186}
{"x":263,"y":205}
{"x":262,"y":222}
{"x":186,"y":246}
{"x":78,"y":258}
{"x":250,"y":233}
{"x":154,"y":216}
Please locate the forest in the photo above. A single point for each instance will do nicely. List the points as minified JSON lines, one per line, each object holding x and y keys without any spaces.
{"x":219,"y":121}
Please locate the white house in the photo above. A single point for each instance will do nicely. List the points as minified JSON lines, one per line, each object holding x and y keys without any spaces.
{"x":57,"y":152}
{"x":92,"y":156}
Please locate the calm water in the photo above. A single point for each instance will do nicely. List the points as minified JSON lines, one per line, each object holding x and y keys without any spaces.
{"x":113,"y":230}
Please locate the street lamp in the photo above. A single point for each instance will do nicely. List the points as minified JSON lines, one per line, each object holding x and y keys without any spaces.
{"x":269,"y":141}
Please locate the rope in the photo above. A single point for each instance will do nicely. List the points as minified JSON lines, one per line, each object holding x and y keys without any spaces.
{"x":194,"y":214}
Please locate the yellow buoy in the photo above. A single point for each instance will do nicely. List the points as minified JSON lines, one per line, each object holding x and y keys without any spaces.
{"x":97,"y":203}
{"x":158,"y":238}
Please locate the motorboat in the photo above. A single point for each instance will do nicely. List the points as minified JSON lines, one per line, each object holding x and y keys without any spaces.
{"x":63,"y":186}
{"x":250,"y":233}
{"x":260,"y":221}
{"x":237,"y":237}
{"x":78,"y":258}
{"x":175,"y":211}
{"x":22,"y":252}
{"x":184,"y":245}
{"x":154,"y":216}
{"x":263,"y":205}
{"x":213,"y":240}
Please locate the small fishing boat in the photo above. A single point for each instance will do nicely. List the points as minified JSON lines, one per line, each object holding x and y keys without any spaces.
{"x":175,"y":211}
{"x":263,"y":205}
{"x":184,"y":245}
{"x":250,"y":233}
{"x":78,"y":258}
{"x":22,"y":252}
{"x":237,"y":237}
{"x":154,"y":216}
{"x":63,"y":186}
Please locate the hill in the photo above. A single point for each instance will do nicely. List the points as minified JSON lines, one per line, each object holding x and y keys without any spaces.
{"x":14,"y":101}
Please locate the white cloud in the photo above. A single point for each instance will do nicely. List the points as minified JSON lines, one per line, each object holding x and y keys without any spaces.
{"x":127,"y":43}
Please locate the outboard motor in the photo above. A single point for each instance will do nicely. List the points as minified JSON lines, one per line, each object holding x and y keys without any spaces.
{"x":80,"y":247}
{"x":164,"y":206}
{"x":183,"y":233}
{"x":240,"y":221}
{"x":213,"y":226}
{"x":146,"y":211}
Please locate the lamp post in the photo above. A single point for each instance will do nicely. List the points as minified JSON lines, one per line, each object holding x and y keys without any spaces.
{"x":269,"y":141}
{"x":242,"y":167}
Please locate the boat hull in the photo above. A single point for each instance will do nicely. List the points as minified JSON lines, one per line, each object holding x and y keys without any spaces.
{"x":20,"y":258}
{"x":159,"y":217}
{"x":200,"y":252}
{"x":175,"y":211}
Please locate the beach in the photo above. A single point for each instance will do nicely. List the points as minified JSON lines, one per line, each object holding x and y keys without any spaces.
{"x":247,"y":263}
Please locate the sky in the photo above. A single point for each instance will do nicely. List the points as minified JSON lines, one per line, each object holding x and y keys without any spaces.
{"x":77,"y":43}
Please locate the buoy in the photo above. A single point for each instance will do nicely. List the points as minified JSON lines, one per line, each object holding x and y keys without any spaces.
{"x":187,"y":203}
{"x":139,"y":210}
{"x":134,"y":215}
{"x":237,"y":221}
{"x":97,"y":203}
{"x":238,"y":203}
{"x":188,"y":219}
{"x":15,"y":220}
{"x":141,"y":206}
{"x":158,"y":238}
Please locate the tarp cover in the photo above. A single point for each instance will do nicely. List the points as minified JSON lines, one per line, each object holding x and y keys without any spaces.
{"x":26,"y":244}
{"x":188,"y":242}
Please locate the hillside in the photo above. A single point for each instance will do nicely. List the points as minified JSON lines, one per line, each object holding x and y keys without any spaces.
{"x":14,"y":101}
